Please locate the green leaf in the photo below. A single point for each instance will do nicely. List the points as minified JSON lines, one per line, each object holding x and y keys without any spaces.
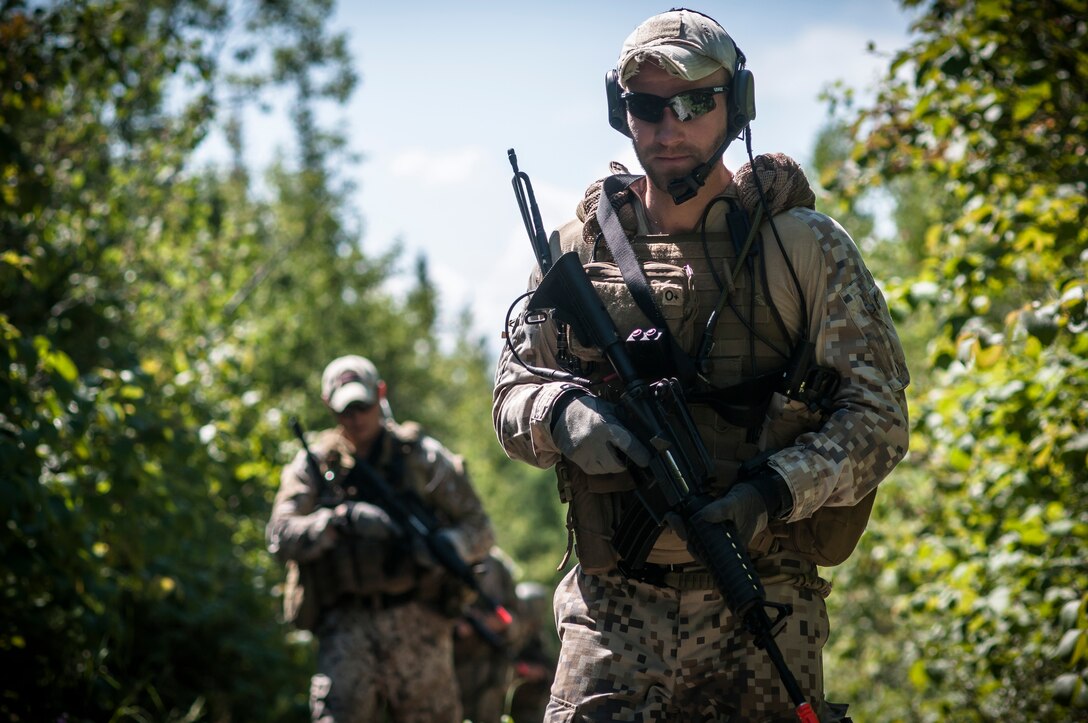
{"x":1027,"y":103}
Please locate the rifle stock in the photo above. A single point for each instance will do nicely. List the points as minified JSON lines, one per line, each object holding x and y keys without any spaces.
{"x":322,"y":479}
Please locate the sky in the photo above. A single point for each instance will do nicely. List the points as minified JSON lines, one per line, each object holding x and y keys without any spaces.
{"x":447,"y":87}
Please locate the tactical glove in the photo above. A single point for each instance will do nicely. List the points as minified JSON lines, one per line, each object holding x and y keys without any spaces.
{"x":321,"y":530}
{"x":589,"y":434}
{"x":743,"y":506}
{"x":368,"y":521}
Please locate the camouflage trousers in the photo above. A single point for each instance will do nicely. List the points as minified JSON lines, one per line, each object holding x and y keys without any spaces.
{"x":632,"y":651}
{"x":483,"y":679}
{"x":396,"y":662}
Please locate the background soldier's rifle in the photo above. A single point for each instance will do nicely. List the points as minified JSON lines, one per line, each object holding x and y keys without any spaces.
{"x":407,"y":510}
{"x":673,"y":488}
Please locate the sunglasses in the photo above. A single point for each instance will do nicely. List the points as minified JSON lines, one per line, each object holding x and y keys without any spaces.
{"x":687,"y":105}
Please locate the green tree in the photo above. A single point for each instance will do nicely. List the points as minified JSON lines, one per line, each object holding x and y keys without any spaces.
{"x":976,"y":554}
{"x":137,"y":447}
{"x":158,"y":323}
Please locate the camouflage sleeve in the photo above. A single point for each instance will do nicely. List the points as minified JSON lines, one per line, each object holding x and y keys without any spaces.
{"x":866,"y":434}
{"x":522,"y":403}
{"x":449,"y":489}
{"x":298,"y":529}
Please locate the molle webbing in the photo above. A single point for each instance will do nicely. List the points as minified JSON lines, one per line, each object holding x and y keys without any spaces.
{"x":633,"y":275}
{"x":740,"y":382}
{"x":730,"y":360}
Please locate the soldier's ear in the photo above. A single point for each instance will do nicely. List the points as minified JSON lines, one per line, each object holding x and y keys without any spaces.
{"x":381,"y":390}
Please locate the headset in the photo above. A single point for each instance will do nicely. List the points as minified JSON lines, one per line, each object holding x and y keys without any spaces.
{"x":740,"y":106}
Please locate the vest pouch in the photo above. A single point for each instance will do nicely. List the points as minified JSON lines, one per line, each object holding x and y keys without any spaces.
{"x":596,"y":504}
{"x":673,"y":291}
{"x":301,"y":606}
{"x":384,"y":567}
{"x":831,"y":534}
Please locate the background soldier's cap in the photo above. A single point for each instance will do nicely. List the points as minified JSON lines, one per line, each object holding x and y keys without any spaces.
{"x":685,"y":43}
{"x":349,"y":379}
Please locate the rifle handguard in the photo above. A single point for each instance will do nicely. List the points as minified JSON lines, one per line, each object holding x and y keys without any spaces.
{"x":716,"y":545}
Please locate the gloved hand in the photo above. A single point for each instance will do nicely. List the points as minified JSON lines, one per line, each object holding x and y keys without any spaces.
{"x":743,"y":506}
{"x":363,"y":519}
{"x":589,"y":433}
{"x":322,"y":529}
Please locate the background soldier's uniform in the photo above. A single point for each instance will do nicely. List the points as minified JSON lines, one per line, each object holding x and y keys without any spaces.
{"x":484,"y":672}
{"x":832,"y":462}
{"x":535,"y":659}
{"x":381,"y":609}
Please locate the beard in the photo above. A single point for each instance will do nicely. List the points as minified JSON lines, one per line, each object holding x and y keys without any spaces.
{"x":661,"y":178}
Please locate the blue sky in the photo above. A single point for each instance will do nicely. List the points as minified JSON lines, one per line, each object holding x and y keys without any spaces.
{"x":446,"y":88}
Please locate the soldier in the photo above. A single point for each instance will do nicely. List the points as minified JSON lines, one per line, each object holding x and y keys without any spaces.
{"x":381,"y":608}
{"x":485,"y":667}
{"x":534,"y":662}
{"x":792,"y":370}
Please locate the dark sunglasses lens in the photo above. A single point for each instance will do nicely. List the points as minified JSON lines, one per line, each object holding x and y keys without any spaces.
{"x":646,"y":107}
{"x":687,"y":105}
{"x":692,"y":104}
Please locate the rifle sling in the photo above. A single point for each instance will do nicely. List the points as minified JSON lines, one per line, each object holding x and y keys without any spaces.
{"x":637,"y":283}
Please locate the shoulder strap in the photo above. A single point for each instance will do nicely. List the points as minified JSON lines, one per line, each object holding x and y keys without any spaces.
{"x":633,"y":275}
{"x":621,"y":249}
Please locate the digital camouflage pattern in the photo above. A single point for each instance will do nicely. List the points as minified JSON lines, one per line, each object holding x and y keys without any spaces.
{"x":832,"y":461}
{"x":660,"y":665}
{"x":396,"y":662}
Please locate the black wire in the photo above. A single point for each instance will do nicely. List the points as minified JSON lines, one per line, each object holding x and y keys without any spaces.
{"x":805,"y":321}
{"x":750,"y":263}
{"x":553,"y":374}
{"x":702,"y":239}
{"x":511,"y":329}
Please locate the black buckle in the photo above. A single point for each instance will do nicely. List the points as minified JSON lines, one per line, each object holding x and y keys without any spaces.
{"x":651,"y":573}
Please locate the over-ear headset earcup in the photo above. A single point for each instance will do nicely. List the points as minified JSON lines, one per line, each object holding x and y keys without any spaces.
{"x":617,"y":113}
{"x":742,"y":101}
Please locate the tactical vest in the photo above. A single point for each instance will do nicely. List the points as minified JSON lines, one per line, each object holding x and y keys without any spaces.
{"x":364,"y":568}
{"x":681,"y":271}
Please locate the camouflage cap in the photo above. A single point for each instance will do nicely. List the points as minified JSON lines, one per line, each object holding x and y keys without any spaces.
{"x":685,"y":43}
{"x":349,"y":379}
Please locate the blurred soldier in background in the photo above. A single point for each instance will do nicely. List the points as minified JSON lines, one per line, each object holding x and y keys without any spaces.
{"x":534,"y":661}
{"x":381,"y":608}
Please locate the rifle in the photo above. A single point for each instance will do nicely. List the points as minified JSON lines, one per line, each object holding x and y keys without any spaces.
{"x":323,"y":480}
{"x":420,"y":525}
{"x":673,"y":488}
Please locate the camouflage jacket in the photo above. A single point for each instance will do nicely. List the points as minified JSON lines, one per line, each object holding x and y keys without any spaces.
{"x":302,"y":529}
{"x":831,"y":460}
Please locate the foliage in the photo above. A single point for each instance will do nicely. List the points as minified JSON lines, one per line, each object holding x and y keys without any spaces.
{"x":158,"y":324}
{"x":134,"y":587}
{"x":973,"y":578}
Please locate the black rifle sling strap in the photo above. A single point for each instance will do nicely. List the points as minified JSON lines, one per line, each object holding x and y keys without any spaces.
{"x":633,"y":276}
